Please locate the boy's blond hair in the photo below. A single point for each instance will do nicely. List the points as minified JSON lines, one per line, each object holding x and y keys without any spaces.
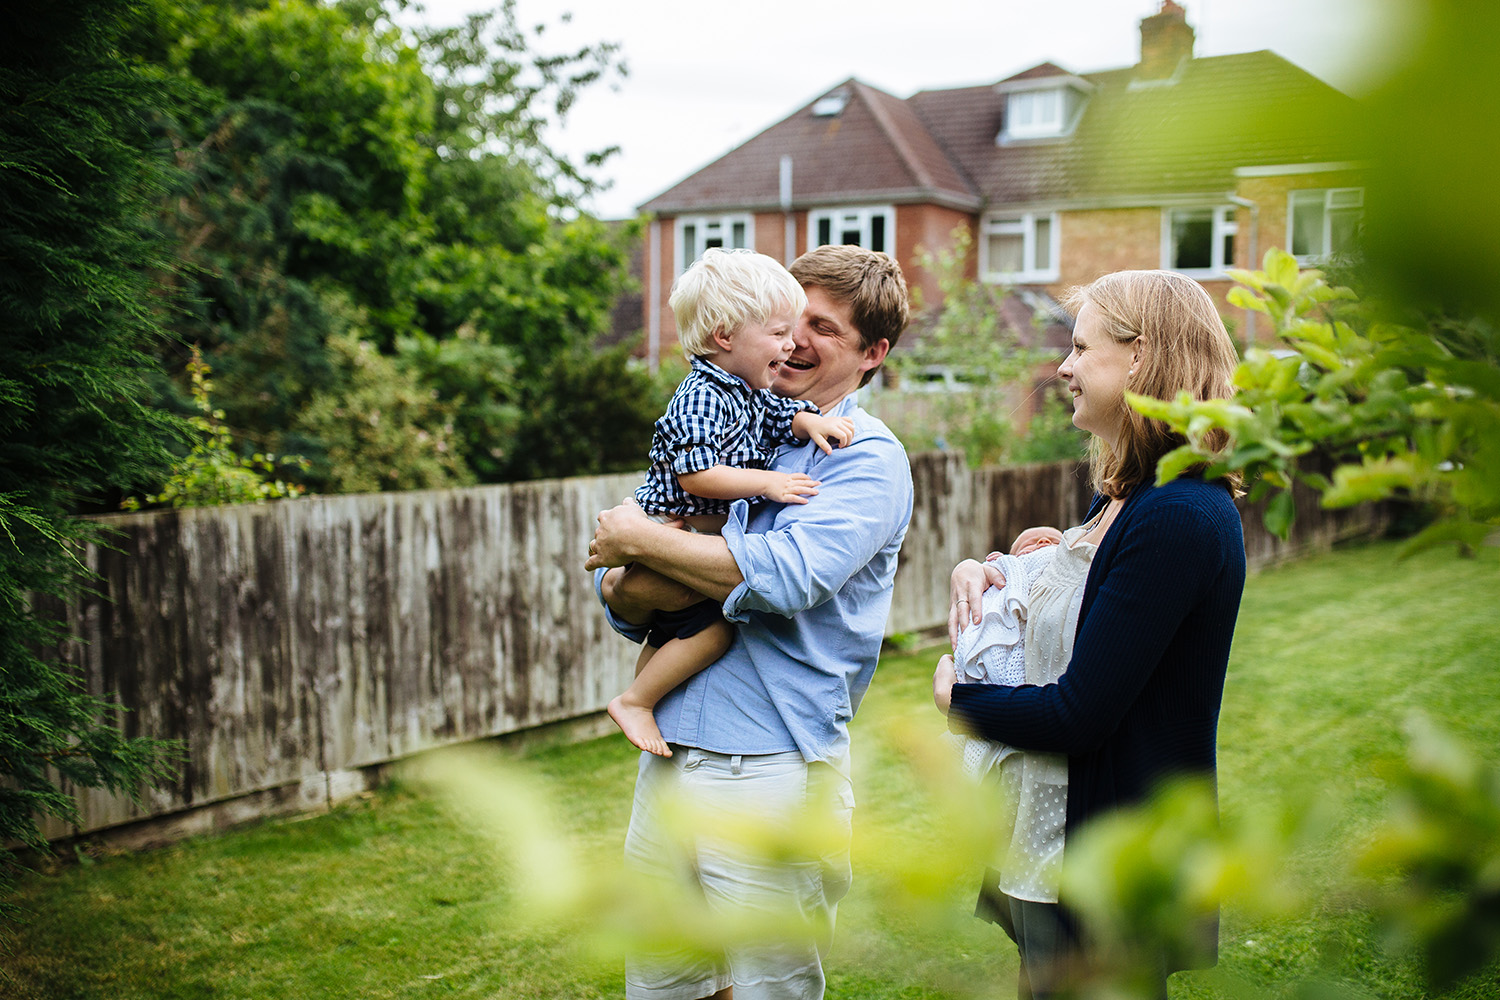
{"x":725,"y":289}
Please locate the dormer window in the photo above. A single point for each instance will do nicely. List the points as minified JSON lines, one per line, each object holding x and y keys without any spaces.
{"x":1034,"y":113}
{"x":1041,"y":106}
{"x":831,"y":103}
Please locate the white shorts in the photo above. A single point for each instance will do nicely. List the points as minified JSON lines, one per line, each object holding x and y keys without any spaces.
{"x":733,"y":879}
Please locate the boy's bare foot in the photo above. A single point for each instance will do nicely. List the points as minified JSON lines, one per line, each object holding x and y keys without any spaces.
{"x":639,"y":726}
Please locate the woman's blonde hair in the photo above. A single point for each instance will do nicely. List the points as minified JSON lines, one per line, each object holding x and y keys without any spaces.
{"x":1185,"y":346}
{"x":724,"y":290}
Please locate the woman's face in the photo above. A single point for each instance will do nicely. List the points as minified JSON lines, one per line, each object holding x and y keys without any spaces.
{"x":1096,"y":371}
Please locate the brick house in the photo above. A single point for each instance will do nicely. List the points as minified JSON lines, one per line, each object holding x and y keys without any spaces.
{"x":1196,"y":164}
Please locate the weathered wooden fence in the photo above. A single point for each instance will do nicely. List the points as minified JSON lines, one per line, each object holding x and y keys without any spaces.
{"x":298,"y":646}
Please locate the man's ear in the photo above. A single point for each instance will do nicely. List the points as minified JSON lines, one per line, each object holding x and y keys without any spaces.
{"x":875,"y":354}
{"x":722,"y":340}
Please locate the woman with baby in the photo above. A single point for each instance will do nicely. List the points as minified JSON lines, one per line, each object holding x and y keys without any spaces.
{"x":1116,"y":636}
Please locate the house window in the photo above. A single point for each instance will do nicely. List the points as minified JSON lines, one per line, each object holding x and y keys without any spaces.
{"x":1032,"y":113}
{"x":873,"y":228}
{"x":1020,"y":248}
{"x":697,"y":233}
{"x":1324,"y":222}
{"x":1199,"y":240}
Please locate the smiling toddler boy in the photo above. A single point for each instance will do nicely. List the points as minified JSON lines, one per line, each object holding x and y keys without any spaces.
{"x":735,"y":311}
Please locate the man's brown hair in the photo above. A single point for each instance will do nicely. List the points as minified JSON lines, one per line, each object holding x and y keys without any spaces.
{"x":869,"y":282}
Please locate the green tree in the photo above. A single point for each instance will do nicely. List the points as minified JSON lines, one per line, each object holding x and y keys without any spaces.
{"x":78,"y":174}
{"x":590,"y":412}
{"x":497,"y":93}
{"x":332,"y":158}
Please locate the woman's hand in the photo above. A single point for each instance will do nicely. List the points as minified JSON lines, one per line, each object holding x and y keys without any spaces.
{"x":943,"y":679}
{"x":970,"y":580}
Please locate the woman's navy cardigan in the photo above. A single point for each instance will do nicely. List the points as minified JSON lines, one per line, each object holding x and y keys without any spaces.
{"x":1140,"y":699}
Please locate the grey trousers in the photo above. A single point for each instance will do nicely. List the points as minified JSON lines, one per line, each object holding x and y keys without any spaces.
{"x":1053,"y":960}
{"x":1044,"y":938}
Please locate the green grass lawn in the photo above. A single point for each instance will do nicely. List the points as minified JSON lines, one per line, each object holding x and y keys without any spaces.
{"x":396,"y":896}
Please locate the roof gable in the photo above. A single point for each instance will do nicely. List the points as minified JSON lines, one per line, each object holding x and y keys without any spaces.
{"x":1040,"y":69}
{"x":875,"y":148}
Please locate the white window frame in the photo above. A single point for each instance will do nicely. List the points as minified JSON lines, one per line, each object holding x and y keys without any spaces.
{"x":1024,"y":224}
{"x":1225,"y":223}
{"x":861,"y":216}
{"x":1354,"y":195}
{"x":1053,"y":125}
{"x":705,"y":228}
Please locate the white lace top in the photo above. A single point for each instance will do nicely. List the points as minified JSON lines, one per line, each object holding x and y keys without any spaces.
{"x":1031,"y":850}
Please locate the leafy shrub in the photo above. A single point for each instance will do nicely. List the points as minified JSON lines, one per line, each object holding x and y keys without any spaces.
{"x":214,"y":471}
{"x":380,"y":427}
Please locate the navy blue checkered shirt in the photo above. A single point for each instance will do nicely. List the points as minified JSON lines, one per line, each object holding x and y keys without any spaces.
{"x":714,"y":418}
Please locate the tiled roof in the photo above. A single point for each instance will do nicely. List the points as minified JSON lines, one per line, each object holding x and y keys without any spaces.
{"x":1132,"y":141}
{"x":1036,"y":72}
{"x":876,"y":148}
{"x":1183,"y":137}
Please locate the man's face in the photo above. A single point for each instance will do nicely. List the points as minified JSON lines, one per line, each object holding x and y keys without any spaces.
{"x":828,"y":361}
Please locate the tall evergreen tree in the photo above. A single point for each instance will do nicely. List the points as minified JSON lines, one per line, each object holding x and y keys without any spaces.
{"x":78,"y":169}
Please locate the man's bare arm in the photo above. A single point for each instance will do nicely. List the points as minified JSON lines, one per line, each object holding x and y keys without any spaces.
{"x":702,"y":562}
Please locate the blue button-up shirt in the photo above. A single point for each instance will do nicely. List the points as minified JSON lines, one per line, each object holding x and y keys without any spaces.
{"x":714,"y":418}
{"x":811,"y":612}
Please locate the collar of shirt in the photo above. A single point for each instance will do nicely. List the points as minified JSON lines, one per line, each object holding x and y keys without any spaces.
{"x":719,"y":376}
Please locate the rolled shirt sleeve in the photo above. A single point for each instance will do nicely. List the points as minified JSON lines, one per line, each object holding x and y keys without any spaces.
{"x":814,"y":549}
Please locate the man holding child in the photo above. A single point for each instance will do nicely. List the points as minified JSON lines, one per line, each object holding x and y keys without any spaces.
{"x":763,"y":730}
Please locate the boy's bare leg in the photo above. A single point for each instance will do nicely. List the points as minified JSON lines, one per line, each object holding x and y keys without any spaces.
{"x":647,"y":651}
{"x":634,"y":593}
{"x":660,"y":672}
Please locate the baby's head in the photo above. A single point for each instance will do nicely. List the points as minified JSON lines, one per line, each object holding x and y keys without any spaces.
{"x":1034,"y":538}
{"x":724,"y":291}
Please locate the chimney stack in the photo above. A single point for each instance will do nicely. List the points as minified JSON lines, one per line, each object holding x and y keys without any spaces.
{"x":1166,"y":40}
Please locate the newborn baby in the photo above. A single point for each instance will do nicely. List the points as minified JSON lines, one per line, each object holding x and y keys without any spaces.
{"x":993,"y":651}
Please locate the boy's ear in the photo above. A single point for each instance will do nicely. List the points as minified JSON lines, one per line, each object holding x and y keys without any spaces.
{"x":722,"y":339}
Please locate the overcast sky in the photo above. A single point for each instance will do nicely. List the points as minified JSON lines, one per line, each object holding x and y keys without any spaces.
{"x":707,"y":75}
